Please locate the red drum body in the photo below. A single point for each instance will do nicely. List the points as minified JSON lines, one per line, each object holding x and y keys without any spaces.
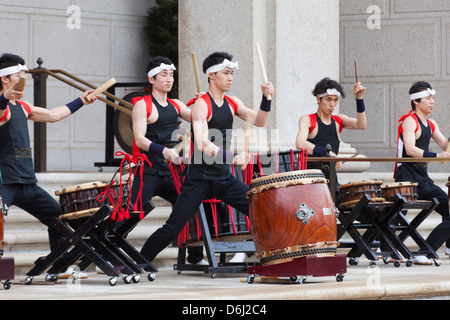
{"x":407,"y":190}
{"x":83,"y":200}
{"x":352,"y":192}
{"x":292,"y":215}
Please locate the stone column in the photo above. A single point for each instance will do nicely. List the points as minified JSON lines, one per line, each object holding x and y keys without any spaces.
{"x":300,"y":44}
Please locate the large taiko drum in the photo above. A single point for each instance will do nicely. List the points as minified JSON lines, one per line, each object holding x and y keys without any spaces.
{"x":81,"y":201}
{"x":352,"y":192}
{"x":407,"y":190}
{"x":292,"y":215}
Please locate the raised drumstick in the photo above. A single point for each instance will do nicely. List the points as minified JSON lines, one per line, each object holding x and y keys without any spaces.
{"x":356,"y":72}
{"x":262,"y":67}
{"x":197,"y":76}
{"x":101,"y":89}
{"x":21,"y":84}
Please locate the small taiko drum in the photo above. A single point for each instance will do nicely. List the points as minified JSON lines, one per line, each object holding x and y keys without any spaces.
{"x":223,"y":221}
{"x":81,"y":201}
{"x":292,"y":215}
{"x":352,"y":192}
{"x":407,"y":190}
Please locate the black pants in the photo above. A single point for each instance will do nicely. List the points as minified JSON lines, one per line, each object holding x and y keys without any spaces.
{"x":164,"y":187}
{"x":36,"y":201}
{"x":440,"y":234}
{"x":193,"y":192}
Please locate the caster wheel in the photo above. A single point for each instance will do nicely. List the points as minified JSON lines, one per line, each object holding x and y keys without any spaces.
{"x":397,"y":263}
{"x":151,"y":276}
{"x":302,"y":280}
{"x":353,"y":261}
{"x":293,"y":279}
{"x":386,"y":260}
{"x":127,"y":279}
{"x":179,"y":272}
{"x":213,"y":276}
{"x":340,"y":277}
{"x":437,"y":262}
{"x":113,"y":281}
{"x":28,"y":280}
{"x":7,"y":284}
{"x":51,"y":277}
{"x":136,"y":278}
{"x":372,"y":264}
{"x":409,"y":263}
{"x":250,"y":279}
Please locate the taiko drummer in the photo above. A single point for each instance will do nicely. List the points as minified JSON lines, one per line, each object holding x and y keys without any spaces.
{"x":323,"y":128}
{"x":18,"y":183}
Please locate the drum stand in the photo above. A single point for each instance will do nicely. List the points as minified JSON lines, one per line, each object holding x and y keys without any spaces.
{"x":6,"y":264}
{"x":298,"y":269}
{"x":98,"y":240}
{"x":382,"y":220}
{"x":212,"y":248}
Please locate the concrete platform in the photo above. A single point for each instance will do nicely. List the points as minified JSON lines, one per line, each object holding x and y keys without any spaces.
{"x":361,"y":282}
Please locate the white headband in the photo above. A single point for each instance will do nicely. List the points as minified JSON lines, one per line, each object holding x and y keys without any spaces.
{"x":161,"y":68}
{"x":11,"y":70}
{"x":225,"y":64}
{"x":330,"y":92}
{"x":423,"y":94}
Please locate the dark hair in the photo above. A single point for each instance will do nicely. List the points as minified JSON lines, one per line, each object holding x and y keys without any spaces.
{"x":9,"y":60}
{"x":156,"y":62}
{"x":418,"y":87}
{"x":326,"y":83}
{"x":215,"y":58}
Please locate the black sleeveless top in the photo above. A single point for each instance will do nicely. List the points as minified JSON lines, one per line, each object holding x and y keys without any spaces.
{"x":163,"y":132}
{"x":415,"y":171}
{"x":16,"y":163}
{"x":202,"y":166}
{"x":326,"y":134}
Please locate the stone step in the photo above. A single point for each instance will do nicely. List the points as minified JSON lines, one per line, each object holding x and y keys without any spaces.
{"x":28,"y":240}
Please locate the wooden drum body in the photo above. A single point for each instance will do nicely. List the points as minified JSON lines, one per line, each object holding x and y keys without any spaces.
{"x":292,"y":215}
{"x":83,"y":200}
{"x":408,"y":190}
{"x":352,"y":192}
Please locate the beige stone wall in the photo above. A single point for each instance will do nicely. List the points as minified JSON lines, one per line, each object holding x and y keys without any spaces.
{"x":105,"y":40}
{"x":409,"y":42}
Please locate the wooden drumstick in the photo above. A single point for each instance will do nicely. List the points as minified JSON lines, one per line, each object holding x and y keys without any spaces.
{"x":262,"y":67}
{"x":101,"y":89}
{"x":180,"y":146}
{"x":21,"y":84}
{"x":248,"y":128}
{"x":197,"y":76}
{"x":356,"y":73}
{"x":448,"y":146}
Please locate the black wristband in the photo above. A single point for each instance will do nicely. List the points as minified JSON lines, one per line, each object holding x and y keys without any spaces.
{"x":360,"y":107}
{"x":265,"y":104}
{"x":155,"y":148}
{"x":3,"y":102}
{"x":428,"y":154}
{"x":319,"y":152}
{"x":223,"y":156}
{"x":75,"y":105}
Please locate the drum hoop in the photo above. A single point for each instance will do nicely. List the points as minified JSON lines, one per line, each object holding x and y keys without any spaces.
{"x":292,"y":252}
{"x":286,"y":179}
{"x":360,"y":183}
{"x":399,"y":184}
{"x":352,"y":203}
{"x":86,"y":186}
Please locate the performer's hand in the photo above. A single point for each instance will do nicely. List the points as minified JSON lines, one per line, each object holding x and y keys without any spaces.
{"x":358,"y":90}
{"x":170,"y":154}
{"x":443,"y":155}
{"x":13,"y":94}
{"x":199,"y":94}
{"x":93,"y":98}
{"x":242,"y":159}
{"x":267,"y":89}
